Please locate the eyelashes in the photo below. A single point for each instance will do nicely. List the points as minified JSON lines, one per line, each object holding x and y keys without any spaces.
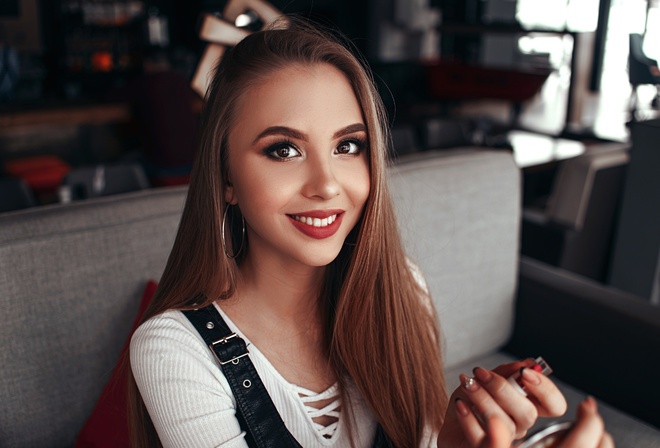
{"x":351,"y":146}
{"x":285,"y":150}
{"x":282,"y":151}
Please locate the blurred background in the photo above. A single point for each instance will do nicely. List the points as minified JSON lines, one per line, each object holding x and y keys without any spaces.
{"x":95,"y":98}
{"x":557,"y":67}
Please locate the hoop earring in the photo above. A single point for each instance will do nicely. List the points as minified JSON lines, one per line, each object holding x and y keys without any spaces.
{"x":224,"y":243}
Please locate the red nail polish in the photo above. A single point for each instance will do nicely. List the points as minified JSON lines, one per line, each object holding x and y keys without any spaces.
{"x":539,"y":366}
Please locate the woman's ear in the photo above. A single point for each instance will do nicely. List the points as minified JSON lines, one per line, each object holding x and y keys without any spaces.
{"x":230,"y":198}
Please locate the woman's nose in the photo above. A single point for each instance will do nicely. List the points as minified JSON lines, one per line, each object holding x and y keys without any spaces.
{"x":321,"y":179}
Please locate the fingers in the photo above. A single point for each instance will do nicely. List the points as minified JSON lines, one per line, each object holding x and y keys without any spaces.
{"x":544,"y":393}
{"x":506,"y":370}
{"x":491,"y":412}
{"x":515,"y":405}
{"x":497,"y":435}
{"x":484,"y":404}
{"x":494,"y":394}
{"x":490,"y":393}
{"x":589,"y":429}
{"x":471,"y":426}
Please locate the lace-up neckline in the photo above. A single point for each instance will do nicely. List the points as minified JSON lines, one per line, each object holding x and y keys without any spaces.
{"x":328,"y":401}
{"x":329,"y":412}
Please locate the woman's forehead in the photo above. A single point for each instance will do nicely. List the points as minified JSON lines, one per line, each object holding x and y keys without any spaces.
{"x":307,"y":97}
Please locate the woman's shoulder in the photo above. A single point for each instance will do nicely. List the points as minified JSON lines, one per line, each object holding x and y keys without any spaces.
{"x":168,"y":343}
{"x":166,"y":334}
{"x":170,"y":321}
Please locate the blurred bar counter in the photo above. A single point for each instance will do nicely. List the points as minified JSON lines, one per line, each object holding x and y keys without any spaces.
{"x":63,"y":114}
{"x":79,"y":132}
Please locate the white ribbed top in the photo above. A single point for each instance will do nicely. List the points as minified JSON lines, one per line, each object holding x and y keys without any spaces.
{"x":191,"y":403}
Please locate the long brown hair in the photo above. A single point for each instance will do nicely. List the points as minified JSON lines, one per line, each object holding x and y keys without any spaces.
{"x":378,"y":332}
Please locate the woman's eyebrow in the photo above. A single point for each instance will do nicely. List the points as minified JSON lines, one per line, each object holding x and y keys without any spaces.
{"x":281,"y":130}
{"x":298,"y":135}
{"x":350,"y":129}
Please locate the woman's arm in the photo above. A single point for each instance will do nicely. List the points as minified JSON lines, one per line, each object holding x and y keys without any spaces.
{"x":185,"y":393}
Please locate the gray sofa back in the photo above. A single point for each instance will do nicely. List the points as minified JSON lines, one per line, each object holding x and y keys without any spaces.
{"x":459,"y":214}
{"x":71,"y":278}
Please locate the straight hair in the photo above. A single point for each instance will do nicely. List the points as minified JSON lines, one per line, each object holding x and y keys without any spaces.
{"x":380,"y":330}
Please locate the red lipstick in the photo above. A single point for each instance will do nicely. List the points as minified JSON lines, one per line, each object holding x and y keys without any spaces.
{"x":539,"y":365}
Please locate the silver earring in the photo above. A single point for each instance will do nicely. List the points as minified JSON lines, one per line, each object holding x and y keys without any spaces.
{"x":224,"y":243}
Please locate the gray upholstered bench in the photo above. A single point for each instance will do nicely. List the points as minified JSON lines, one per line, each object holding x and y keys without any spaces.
{"x":71,"y":278}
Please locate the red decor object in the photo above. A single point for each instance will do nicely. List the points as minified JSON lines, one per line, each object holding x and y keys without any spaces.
{"x":107,"y":426}
{"x":102,"y":61}
{"x":452,"y":80}
{"x":43,"y":174}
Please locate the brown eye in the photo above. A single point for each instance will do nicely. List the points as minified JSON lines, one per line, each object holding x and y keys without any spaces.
{"x":282,"y":151}
{"x":350,"y":147}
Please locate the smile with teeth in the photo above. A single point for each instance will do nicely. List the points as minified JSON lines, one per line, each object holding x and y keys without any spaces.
{"x":315,"y":222}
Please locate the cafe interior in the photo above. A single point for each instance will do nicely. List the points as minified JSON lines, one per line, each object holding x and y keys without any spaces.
{"x":103,"y":97}
{"x":555,"y":83}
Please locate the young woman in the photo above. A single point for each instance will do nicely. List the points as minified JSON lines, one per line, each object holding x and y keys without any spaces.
{"x":288,"y":233}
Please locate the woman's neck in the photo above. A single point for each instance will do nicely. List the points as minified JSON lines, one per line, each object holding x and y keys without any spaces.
{"x":276,"y":305}
{"x":280,"y":293}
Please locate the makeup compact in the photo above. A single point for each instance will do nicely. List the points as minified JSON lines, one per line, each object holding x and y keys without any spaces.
{"x":547,"y":437}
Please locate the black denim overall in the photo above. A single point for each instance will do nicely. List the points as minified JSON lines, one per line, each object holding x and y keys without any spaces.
{"x":255,"y":411}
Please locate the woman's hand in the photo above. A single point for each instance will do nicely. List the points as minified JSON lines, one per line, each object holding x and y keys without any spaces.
{"x":489,"y":397}
{"x":587,"y":432}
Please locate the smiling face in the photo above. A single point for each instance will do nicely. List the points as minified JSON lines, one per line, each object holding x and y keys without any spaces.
{"x":298,"y":164}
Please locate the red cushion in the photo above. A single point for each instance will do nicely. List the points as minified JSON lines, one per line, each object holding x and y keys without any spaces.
{"x":45,"y":179}
{"x":107,"y":426}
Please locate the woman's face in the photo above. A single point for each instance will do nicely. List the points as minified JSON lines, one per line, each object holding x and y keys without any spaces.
{"x":298,"y":164}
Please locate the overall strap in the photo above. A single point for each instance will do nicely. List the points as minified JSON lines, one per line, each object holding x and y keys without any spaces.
{"x":255,"y":411}
{"x":382,"y":440}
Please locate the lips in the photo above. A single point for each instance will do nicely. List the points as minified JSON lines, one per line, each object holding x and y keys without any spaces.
{"x":318,"y":224}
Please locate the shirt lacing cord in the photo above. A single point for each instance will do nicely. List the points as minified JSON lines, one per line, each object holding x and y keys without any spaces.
{"x":331,"y":410}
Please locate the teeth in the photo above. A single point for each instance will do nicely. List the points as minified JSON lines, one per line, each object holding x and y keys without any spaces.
{"x":316,"y":222}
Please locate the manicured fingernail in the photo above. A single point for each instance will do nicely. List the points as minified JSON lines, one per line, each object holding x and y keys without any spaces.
{"x":468,"y":383}
{"x":530,"y":376}
{"x":483,"y":376}
{"x":461,"y":408}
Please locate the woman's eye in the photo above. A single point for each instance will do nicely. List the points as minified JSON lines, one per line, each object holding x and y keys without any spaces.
{"x":350,"y":147}
{"x":282,"y":151}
